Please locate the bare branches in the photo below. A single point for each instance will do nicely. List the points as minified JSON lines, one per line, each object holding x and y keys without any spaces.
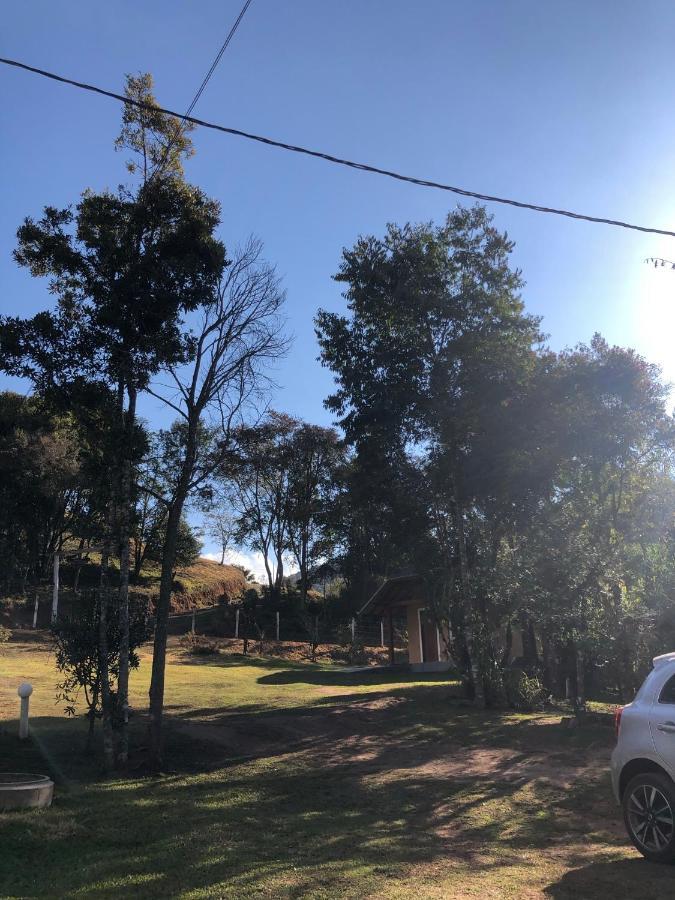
{"x":240,"y":332}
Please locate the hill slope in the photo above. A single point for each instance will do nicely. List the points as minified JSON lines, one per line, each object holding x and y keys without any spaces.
{"x":202,"y":584}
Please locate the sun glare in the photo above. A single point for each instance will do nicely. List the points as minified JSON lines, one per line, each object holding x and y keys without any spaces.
{"x":655,"y":316}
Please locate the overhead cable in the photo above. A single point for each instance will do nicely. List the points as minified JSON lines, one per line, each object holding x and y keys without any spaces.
{"x":363,"y":167}
{"x":184,"y":118}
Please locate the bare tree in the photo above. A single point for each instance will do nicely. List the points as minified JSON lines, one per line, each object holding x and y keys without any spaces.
{"x":240,"y":332}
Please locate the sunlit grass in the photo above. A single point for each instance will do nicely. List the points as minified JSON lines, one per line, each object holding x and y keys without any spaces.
{"x":396,"y":814}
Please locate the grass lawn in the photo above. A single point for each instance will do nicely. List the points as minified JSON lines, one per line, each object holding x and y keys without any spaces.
{"x":290,"y":780}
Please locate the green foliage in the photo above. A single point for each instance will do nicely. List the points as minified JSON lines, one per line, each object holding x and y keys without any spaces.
{"x":283,"y":471}
{"x":188,"y":546}
{"x":77,"y":651}
{"x":5,"y":634}
{"x":46,"y":493}
{"x":158,"y":142}
{"x":519,"y":484}
{"x":525,"y":692}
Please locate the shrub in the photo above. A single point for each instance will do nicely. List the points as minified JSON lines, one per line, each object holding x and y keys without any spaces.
{"x":198,"y":645}
{"x":353,"y":651}
{"x":525,"y":692}
{"x":5,"y":634}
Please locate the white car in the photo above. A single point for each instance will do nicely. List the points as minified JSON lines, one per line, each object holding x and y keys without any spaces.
{"x":643,"y":763}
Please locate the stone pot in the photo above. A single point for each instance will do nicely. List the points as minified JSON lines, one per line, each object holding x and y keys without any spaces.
{"x":19,"y":790}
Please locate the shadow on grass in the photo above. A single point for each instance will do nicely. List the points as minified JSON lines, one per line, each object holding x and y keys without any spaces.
{"x":621,"y":879}
{"x":319,"y":825}
{"x":232,"y":660}
{"x":371,"y":796}
{"x":360,"y":678}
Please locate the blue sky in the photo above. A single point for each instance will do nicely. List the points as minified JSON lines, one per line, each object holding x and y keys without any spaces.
{"x":563,"y":104}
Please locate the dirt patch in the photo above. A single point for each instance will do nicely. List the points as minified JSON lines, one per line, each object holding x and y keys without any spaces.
{"x":341,"y":732}
{"x":477,"y":763}
{"x":363,"y":733}
{"x":293,"y":651}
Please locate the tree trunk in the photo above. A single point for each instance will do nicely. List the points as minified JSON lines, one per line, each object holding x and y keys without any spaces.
{"x":89,"y":748}
{"x":472,"y":642}
{"x":548,"y":664}
{"x":125,"y":500}
{"x":163,"y":608}
{"x":581,"y":681}
{"x":103,"y":671}
{"x":530,"y":653}
{"x":508,"y":645}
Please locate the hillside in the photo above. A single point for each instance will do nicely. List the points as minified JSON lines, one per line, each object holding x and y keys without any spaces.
{"x":203,"y":584}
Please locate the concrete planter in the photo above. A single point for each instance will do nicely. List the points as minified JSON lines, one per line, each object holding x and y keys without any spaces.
{"x":20,"y":791}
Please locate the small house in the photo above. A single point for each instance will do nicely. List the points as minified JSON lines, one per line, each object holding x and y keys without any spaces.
{"x":403,"y":597}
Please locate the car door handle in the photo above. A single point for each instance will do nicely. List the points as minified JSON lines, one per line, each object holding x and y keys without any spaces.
{"x":668,"y":727}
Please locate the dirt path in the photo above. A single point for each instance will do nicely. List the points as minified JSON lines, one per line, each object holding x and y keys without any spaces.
{"x":364,"y":733}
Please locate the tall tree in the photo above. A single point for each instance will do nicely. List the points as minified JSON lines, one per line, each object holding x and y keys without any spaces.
{"x":316,"y":456}
{"x":237,"y":333}
{"x":586,"y":554}
{"x":262,"y":491}
{"x":435,"y":341}
{"x":125,"y":267}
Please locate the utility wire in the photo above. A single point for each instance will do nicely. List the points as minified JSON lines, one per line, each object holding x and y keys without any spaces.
{"x":200,"y":91}
{"x":222,"y":50}
{"x":339,"y":161}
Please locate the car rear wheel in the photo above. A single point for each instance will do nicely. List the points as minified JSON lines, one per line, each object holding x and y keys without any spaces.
{"x":649,"y":814}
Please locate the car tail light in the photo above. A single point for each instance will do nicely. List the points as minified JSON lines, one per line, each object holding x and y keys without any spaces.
{"x":617,"y":719}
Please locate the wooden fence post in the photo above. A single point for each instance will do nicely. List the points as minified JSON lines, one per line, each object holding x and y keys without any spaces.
{"x":391,"y":637}
{"x":381,"y":632}
{"x":277,"y":626}
{"x":55,"y":588}
{"x":35,"y":612}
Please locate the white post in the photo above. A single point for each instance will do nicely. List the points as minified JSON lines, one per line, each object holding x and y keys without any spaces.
{"x":353,"y":628}
{"x":277,"y":626}
{"x":55,"y":588}
{"x":381,"y":632}
{"x":193,"y":621}
{"x":35,"y":612}
{"x":236,"y":624}
{"x":25,"y":690}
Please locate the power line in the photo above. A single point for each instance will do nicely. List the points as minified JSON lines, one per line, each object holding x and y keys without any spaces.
{"x":222,"y":50}
{"x":363,"y":167}
{"x":205,"y":81}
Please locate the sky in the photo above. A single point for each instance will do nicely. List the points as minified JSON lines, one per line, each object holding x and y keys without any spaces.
{"x":564,"y":104}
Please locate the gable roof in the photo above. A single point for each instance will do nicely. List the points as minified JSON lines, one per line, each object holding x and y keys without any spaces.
{"x":399,"y":591}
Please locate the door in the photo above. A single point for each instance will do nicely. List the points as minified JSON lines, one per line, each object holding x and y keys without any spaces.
{"x":428,"y":637}
{"x":662,"y":721}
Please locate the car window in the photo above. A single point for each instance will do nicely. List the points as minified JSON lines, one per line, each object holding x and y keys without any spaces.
{"x":667,"y":694}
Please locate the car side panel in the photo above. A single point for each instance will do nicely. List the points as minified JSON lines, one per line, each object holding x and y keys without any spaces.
{"x":635,"y":735}
{"x":662,"y":714}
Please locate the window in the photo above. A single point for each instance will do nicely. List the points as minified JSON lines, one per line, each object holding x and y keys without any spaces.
{"x":668,"y":691}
